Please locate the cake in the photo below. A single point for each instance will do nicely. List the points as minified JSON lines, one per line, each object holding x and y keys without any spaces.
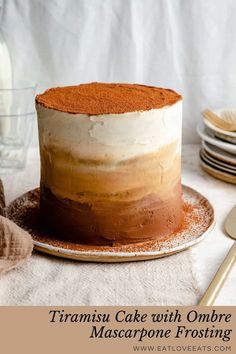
{"x":110,"y":162}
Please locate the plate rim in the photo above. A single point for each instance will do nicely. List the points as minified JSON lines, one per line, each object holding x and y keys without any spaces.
{"x":123,"y":255}
{"x":218,"y":155}
{"x":221,"y":144}
{"x":217,"y":162}
{"x":224,"y":174}
{"x":216,"y":129}
{"x":214,"y":165}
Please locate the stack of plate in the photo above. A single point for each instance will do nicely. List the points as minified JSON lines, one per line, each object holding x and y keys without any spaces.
{"x":218,"y":152}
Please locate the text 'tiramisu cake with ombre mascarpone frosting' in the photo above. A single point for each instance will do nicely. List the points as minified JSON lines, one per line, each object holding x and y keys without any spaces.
{"x":110,"y":162}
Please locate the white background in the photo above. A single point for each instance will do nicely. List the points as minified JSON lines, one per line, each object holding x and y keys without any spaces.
{"x":187,"y":45}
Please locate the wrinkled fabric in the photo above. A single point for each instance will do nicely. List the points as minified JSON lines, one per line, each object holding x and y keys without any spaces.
{"x":45,"y":280}
{"x":16,"y":245}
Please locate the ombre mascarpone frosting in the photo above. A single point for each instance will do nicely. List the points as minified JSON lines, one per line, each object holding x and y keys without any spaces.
{"x":110,"y":162}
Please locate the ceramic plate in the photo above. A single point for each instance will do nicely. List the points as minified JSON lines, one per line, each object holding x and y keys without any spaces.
{"x":220,"y":133}
{"x":218,"y":163}
{"x":215,"y":164}
{"x":219,"y":154}
{"x":210,"y":138}
{"x":198,"y":220}
{"x":215,"y":172}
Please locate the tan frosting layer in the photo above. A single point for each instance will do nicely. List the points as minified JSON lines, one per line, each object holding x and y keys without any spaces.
{"x":104,"y":98}
{"x":85,"y":180}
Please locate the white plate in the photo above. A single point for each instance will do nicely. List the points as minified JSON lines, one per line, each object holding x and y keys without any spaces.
{"x":213,"y":163}
{"x":223,"y":176}
{"x":220,"y":113}
{"x":207,"y":136}
{"x":218,"y":162}
{"x":218,"y":135}
{"x":219,"y":154}
{"x":223,"y":134}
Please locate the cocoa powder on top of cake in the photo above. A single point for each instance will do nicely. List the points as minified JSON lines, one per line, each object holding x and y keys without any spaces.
{"x":107,"y":98}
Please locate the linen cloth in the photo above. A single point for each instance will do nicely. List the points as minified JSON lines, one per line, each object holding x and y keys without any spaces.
{"x":16,"y":245}
{"x":176,"y":280}
{"x":189,"y":46}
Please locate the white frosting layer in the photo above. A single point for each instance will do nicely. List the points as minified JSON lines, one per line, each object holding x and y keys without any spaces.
{"x":119,"y":136}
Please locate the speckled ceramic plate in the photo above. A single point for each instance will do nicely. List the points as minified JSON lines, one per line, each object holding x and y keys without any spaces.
{"x":219,"y":154}
{"x":217,"y":173}
{"x":198,"y":220}
{"x":216,"y":164}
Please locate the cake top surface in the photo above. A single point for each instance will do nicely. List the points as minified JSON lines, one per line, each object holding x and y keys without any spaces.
{"x":107,"y":98}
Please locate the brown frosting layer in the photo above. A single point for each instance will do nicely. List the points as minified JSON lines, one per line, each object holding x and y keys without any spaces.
{"x":102,"y":98}
{"x":112,"y":222}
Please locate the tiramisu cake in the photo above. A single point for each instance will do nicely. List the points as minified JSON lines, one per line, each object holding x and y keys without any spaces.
{"x":110,"y":162}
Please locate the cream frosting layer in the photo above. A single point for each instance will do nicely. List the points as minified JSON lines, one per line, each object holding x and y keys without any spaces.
{"x":112,"y":137}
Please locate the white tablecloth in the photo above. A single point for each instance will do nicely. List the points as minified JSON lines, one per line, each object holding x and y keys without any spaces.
{"x":175,"y":280}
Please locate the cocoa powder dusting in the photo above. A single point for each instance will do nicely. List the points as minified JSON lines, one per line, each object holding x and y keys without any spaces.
{"x":102,"y":98}
{"x":191,"y":215}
